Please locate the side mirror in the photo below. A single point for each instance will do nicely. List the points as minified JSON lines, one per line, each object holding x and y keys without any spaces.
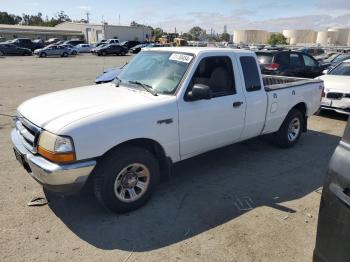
{"x":199,"y":92}
{"x":325,"y":72}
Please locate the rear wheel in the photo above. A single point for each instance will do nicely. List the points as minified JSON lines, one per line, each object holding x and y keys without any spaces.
{"x":65,"y":54}
{"x":290,"y":131}
{"x":125,"y":179}
{"x":104,"y":53}
{"x":43,"y":54}
{"x":1,"y":53}
{"x":74,"y":53}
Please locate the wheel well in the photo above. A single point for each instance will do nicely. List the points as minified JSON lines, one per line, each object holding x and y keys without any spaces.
{"x":303,"y":109}
{"x":165,"y":163}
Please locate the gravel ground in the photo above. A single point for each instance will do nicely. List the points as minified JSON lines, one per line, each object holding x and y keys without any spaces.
{"x":246,"y":202}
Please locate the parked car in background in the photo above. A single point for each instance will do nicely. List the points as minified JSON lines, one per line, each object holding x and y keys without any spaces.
{"x":94,"y":49}
{"x":129,"y":44}
{"x":112,"y":41}
{"x":101,"y":42}
{"x":126,"y":135}
{"x":11,"y":49}
{"x":38,"y":43}
{"x":84,"y":48}
{"x":112,"y":49}
{"x":336,"y":95}
{"x":22,"y":42}
{"x":288,"y":63}
{"x":335,"y":59}
{"x":333,"y":229}
{"x":52,"y":41}
{"x":313,"y":51}
{"x":137,"y":49}
{"x":53,"y":50}
{"x":74,"y":42}
{"x":109,"y":75}
{"x":72,"y":49}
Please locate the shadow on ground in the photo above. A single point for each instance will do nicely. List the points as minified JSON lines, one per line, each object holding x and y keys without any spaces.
{"x":333,"y":115}
{"x":205,"y":192}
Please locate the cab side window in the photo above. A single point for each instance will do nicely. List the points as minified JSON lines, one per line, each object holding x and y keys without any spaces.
{"x":217,"y":73}
{"x":250,"y":73}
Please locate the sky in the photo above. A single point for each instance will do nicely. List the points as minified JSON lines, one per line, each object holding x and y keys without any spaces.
{"x":269,"y":15}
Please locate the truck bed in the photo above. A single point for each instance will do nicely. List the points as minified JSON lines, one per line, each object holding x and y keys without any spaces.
{"x":272,"y":83}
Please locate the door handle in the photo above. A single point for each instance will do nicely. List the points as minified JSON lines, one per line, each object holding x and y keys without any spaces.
{"x":237,"y":104}
{"x":339,"y":193}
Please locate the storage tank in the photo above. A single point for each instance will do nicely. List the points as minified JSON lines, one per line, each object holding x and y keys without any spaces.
{"x":300,"y":36}
{"x":326,"y":38}
{"x":341,"y":35}
{"x":250,"y":36}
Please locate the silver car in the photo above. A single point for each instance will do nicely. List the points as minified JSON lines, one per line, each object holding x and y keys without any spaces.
{"x":52,"y":50}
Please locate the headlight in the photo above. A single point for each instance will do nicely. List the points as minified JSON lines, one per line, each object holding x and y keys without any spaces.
{"x":58,"y":149}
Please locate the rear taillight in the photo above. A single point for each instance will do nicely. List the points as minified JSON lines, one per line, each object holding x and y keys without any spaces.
{"x":273,"y":66}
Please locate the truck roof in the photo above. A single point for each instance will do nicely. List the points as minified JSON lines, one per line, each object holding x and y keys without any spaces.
{"x":197,"y":50}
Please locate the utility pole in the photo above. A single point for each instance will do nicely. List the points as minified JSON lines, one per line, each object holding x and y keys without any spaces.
{"x":88,"y":16}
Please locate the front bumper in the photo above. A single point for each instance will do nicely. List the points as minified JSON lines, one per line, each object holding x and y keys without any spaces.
{"x":341,"y":106}
{"x":61,"y":178}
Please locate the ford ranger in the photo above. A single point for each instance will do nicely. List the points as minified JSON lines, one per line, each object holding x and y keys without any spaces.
{"x":167,"y":105}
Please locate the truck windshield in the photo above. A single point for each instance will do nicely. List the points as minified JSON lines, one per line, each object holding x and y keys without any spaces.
{"x":159,"y":70}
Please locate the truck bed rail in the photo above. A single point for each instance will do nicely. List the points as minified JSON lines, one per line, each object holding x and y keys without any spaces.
{"x":279,"y":82}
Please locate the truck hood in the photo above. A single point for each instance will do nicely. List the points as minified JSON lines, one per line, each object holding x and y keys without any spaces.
{"x":336,"y":83}
{"x":56,"y":110}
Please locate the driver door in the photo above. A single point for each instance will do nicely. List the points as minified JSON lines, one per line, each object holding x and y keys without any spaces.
{"x":211,"y":123}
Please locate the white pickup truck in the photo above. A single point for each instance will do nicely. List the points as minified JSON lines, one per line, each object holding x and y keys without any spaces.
{"x":167,"y":105}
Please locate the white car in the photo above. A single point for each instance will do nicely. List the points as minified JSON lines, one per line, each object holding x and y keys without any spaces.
{"x":84,"y":48}
{"x":166,"y":105}
{"x":337,"y":88}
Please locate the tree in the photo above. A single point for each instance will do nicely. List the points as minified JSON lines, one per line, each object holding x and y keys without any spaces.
{"x":9,"y":19}
{"x":197,"y":32}
{"x":225,"y":37}
{"x":157,"y":33}
{"x":277,"y":39}
{"x":187,"y":36}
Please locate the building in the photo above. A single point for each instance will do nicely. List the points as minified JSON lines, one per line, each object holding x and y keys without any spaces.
{"x":96,"y":32}
{"x":250,"y":36}
{"x":8,"y":32}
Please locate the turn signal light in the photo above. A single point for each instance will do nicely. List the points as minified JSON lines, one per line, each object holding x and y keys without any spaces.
{"x":59,"y":158}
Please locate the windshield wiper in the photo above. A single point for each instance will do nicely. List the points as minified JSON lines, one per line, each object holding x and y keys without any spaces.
{"x":148,"y":88}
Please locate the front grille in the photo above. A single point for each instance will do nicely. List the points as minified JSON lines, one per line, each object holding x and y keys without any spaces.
{"x":29,"y":133}
{"x":334,"y":95}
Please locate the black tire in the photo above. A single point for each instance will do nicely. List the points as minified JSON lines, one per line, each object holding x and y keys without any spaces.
{"x":65,"y":54}
{"x":74,"y":53}
{"x":1,"y":53}
{"x":43,"y":54}
{"x":104,"y":53}
{"x":281,"y":137}
{"x":107,"y":170}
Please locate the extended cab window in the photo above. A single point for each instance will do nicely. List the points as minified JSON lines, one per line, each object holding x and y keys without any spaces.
{"x":217,"y":73}
{"x":250,"y":73}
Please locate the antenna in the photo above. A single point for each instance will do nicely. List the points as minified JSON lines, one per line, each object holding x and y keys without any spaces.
{"x":119,"y":18}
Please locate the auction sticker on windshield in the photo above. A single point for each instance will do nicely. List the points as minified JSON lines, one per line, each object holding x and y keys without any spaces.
{"x":181,"y":58}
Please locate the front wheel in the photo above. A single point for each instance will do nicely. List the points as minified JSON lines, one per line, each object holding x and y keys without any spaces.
{"x":64,"y":54}
{"x":290,"y":131}
{"x":125,"y":179}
